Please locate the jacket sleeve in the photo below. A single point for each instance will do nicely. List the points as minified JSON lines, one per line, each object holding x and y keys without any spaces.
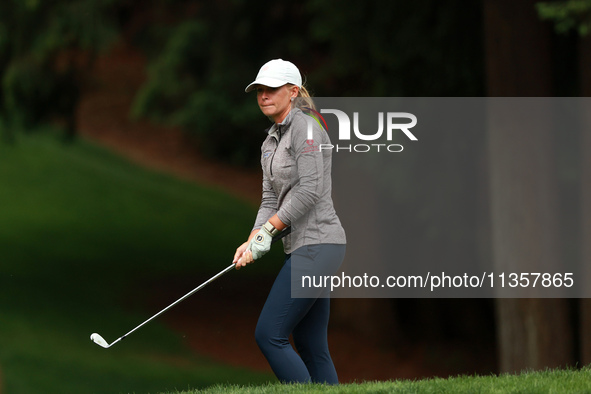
{"x":308,"y":174}
{"x":268,"y":206}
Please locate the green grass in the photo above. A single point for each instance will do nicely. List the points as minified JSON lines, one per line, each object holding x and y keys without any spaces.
{"x":549,"y":381}
{"x":84,"y":235}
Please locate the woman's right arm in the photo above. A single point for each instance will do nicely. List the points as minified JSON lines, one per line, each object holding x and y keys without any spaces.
{"x":239,"y":258}
{"x":268,"y":206}
{"x":267,"y":209}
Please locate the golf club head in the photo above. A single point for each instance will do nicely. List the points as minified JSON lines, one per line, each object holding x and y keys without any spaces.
{"x":96,"y":338}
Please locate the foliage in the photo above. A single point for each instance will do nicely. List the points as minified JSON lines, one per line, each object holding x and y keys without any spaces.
{"x":191,"y":87}
{"x":567,"y":15}
{"x":201,"y":55}
{"x":32,"y":89}
{"x":197,"y":77}
{"x":44,"y":45}
{"x":377,"y":48}
{"x":398,"y":48}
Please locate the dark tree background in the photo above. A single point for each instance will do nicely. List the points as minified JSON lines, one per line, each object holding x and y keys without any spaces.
{"x":201,"y":54}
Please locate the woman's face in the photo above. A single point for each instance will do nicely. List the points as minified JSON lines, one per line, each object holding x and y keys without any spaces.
{"x":275,"y":103}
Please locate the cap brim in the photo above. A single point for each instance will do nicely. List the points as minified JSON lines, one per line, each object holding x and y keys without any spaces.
{"x":270,"y":82}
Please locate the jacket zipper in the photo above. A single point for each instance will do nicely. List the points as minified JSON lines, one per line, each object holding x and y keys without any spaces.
{"x":275,"y":150}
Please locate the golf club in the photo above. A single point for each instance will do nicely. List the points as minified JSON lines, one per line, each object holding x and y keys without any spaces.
{"x":99,"y":340}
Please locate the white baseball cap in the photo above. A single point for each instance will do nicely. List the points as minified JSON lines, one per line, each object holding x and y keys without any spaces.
{"x":277,"y":73}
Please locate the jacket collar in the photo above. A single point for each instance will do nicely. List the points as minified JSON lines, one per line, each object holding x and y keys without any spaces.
{"x":276,"y":129}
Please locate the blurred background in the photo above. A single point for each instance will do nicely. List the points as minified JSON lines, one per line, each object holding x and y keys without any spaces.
{"x":128,"y":175}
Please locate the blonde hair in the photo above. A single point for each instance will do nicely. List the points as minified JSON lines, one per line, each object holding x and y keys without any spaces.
{"x":304,"y":99}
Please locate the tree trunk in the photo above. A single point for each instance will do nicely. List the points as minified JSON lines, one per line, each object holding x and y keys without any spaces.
{"x":518,"y":59}
{"x":531,"y":333}
{"x":368,"y":317}
{"x":585,"y":305}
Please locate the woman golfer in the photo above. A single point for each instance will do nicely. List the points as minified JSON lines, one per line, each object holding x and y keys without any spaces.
{"x":296,"y":193}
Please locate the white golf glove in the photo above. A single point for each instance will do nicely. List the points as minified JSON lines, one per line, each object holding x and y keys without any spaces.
{"x":261,"y":242}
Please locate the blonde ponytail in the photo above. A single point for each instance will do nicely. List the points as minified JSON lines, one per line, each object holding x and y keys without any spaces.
{"x":306,"y":98}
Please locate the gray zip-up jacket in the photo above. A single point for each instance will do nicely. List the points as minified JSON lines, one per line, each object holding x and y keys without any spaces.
{"x":297,"y":183}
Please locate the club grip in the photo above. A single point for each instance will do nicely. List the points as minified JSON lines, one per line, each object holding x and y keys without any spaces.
{"x":281,"y":235}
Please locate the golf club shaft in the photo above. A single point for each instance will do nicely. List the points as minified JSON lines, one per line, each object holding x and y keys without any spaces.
{"x":201,"y":286}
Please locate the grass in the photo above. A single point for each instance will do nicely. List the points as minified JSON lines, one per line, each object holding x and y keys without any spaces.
{"x":84,"y":235}
{"x":549,"y":381}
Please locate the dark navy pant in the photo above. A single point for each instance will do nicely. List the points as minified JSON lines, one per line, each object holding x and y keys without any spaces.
{"x":305,"y":318}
